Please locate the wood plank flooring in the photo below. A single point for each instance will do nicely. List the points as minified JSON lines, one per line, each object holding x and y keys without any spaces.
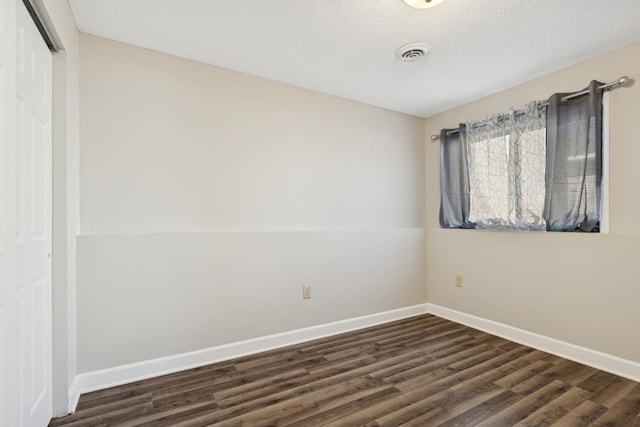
{"x":421,"y":371}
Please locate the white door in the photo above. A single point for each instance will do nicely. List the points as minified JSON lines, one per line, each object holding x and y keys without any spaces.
{"x":8,"y":354}
{"x":33,"y":222}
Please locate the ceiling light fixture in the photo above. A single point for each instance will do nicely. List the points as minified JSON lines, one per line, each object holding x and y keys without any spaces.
{"x":423,"y":4}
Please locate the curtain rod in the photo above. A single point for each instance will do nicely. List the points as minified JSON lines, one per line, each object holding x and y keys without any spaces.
{"x":621,"y":82}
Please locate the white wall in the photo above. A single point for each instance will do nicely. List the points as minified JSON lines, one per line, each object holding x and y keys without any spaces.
{"x":143,"y":296}
{"x":208,"y":198}
{"x":582,"y":289}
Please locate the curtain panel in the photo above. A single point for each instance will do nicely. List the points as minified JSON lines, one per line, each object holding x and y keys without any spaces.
{"x":574,"y":161}
{"x":506,"y":170}
{"x":454,"y":180}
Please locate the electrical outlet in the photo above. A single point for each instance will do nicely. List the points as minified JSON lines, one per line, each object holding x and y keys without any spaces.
{"x":306,"y":291}
{"x":459,"y":281}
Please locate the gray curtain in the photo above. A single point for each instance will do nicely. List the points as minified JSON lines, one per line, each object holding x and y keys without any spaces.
{"x":454,"y":180}
{"x":574,"y":161}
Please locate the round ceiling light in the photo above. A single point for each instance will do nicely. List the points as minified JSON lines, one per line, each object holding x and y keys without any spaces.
{"x":423,"y":4}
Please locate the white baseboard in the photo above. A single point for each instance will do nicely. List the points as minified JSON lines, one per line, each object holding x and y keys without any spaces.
{"x":105,"y":378}
{"x":586,"y":356}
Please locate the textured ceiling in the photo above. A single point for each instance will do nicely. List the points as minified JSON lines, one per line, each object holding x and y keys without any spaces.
{"x":346,"y":47}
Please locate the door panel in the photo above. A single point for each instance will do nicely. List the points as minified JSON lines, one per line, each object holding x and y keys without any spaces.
{"x":33,"y":221}
{"x":8,"y":353}
{"x":25,"y":220}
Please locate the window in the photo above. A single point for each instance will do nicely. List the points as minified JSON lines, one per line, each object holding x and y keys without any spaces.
{"x":507,"y":158}
{"x":535,"y":169}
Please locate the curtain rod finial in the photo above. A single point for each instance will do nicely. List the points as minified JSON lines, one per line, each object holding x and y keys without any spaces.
{"x":435,"y":137}
{"x":624,"y":81}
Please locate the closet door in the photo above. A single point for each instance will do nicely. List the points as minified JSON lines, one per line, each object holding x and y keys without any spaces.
{"x":8,"y":332}
{"x":33,"y":222}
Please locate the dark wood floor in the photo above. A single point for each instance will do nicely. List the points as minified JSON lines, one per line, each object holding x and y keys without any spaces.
{"x":421,"y":371}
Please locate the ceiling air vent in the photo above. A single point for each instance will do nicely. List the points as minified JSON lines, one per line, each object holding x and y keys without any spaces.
{"x":412,"y":52}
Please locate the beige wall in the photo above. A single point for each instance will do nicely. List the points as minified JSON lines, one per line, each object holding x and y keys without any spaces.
{"x":582,"y":289}
{"x":171,"y":145}
{"x":209,"y":197}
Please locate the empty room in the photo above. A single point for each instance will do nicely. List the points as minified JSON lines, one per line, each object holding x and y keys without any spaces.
{"x":340,"y":212}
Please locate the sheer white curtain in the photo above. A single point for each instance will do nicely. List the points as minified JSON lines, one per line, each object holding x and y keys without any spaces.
{"x":507,"y":158}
